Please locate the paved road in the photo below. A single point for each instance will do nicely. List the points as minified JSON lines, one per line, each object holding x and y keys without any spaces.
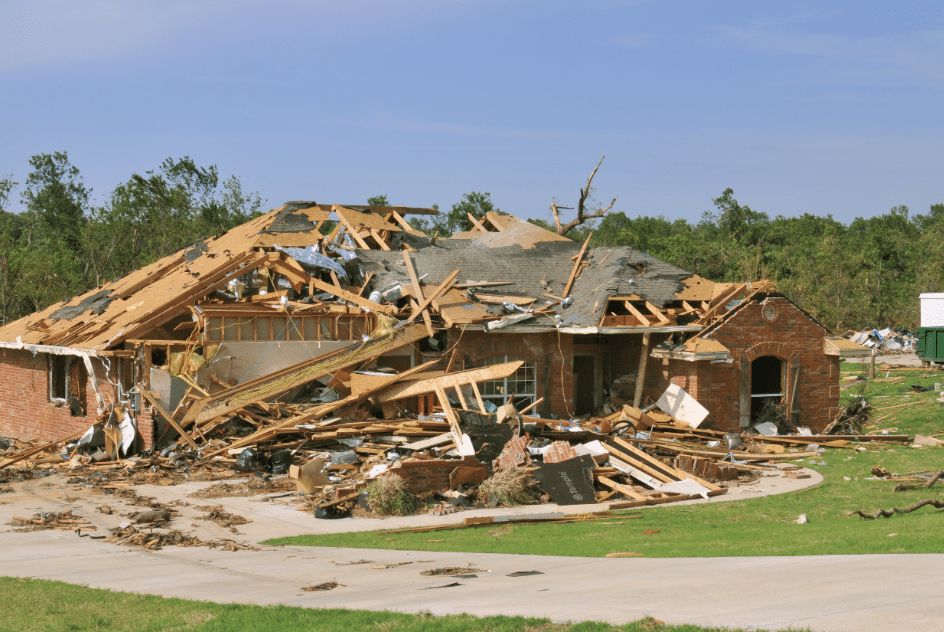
{"x":825,"y":593}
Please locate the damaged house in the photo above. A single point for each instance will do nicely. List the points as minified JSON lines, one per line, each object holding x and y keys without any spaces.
{"x":282,"y":307}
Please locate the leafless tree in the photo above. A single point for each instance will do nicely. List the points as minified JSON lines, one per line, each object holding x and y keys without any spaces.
{"x":583,"y":214}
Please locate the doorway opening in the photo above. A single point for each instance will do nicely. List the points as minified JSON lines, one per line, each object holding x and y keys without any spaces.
{"x":766,"y":384}
{"x":584,"y":384}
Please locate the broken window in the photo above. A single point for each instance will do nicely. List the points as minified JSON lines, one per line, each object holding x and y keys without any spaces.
{"x":58,"y":378}
{"x":67,"y":379}
{"x":522,"y":383}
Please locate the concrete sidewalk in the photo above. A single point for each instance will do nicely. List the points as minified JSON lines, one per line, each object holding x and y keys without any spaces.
{"x":849,"y":593}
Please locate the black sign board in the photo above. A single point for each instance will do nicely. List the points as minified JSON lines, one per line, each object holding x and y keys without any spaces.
{"x":568,"y":482}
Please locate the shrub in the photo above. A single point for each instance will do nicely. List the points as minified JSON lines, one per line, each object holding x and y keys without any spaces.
{"x":510,"y":485}
{"x":388,"y":495}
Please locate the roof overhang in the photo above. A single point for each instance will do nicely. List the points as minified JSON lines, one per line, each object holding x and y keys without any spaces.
{"x":844,"y":348}
{"x":51,"y":349}
{"x":595,"y":330}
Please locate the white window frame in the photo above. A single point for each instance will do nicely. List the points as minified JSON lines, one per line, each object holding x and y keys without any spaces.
{"x":525,"y":388}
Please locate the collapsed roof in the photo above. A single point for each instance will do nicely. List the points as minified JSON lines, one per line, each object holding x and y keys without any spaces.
{"x":504,"y":273}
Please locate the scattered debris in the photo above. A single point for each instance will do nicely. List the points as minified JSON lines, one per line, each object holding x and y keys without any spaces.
{"x":324,"y":586}
{"x":452,"y":585}
{"x":60,"y":521}
{"x":902,"y":487}
{"x":222,"y":518}
{"x":452,"y":570}
{"x":524,"y":573}
{"x":154,"y":540}
{"x":888,"y":513}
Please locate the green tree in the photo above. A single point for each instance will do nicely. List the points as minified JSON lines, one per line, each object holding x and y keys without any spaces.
{"x":378,"y":200}
{"x":473,"y":203}
{"x":57,"y":196}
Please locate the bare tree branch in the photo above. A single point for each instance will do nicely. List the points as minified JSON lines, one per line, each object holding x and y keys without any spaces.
{"x":582,"y":215}
{"x":556,"y":211}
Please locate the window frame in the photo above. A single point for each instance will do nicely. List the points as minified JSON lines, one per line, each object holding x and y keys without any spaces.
{"x":53,"y":379}
{"x":506,"y":386}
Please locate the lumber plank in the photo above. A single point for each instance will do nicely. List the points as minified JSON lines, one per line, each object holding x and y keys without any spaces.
{"x":277,"y":383}
{"x":626,"y":491}
{"x":417,"y":292}
{"x":460,"y":378}
{"x":446,"y":284}
{"x":573,"y":273}
{"x":170,"y":418}
{"x":351,"y":297}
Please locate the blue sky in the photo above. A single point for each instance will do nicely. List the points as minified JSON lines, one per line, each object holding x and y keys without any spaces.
{"x":819,"y":107}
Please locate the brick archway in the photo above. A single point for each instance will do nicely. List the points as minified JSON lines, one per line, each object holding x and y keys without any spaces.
{"x":778,"y":349}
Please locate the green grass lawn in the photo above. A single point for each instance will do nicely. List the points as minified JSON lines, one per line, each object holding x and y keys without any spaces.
{"x":46,"y":606}
{"x":762,"y":526}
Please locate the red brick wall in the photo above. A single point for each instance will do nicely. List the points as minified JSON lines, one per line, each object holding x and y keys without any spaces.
{"x":423,"y":476}
{"x":624,"y":350}
{"x":552,"y":352}
{"x":25,"y":409}
{"x":793,"y":337}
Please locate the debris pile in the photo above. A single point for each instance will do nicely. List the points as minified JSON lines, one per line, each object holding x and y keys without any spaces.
{"x":888,"y":340}
{"x":59,"y":521}
{"x":153,"y":540}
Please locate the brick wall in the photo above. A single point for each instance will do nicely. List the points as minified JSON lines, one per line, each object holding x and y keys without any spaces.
{"x":793,"y":337}
{"x":25,"y":409}
{"x":430,"y":475}
{"x":553,"y":354}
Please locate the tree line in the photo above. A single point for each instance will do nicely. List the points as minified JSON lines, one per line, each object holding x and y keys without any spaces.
{"x":868,"y":273}
{"x":60,"y":245}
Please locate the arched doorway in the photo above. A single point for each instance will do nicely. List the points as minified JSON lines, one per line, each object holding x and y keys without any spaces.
{"x":767,"y":380}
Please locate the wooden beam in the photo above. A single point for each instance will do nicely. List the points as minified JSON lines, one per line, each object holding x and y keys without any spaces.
{"x":406,"y":225}
{"x":458,"y":390}
{"x":573,"y":273}
{"x":350,"y":229}
{"x":351,"y":297}
{"x":641,"y":374}
{"x":626,"y":491}
{"x":677,"y":474}
{"x":379,"y":239}
{"x":460,"y":378}
{"x":170,"y":418}
{"x":181,"y":303}
{"x":638,"y":314}
{"x":450,"y":415}
{"x":282,"y":381}
{"x":418,"y":293}
{"x":657,"y":313}
{"x":476,"y":222}
{"x":450,"y":280}
{"x":478,"y":396}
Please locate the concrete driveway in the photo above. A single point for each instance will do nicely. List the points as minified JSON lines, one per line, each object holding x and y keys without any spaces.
{"x":850,"y":593}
